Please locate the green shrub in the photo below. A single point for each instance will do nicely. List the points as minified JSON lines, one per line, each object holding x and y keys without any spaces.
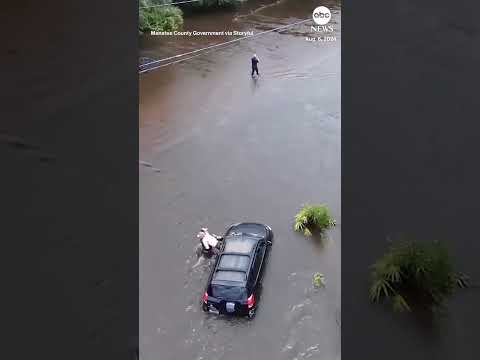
{"x":313,"y":218}
{"x":413,"y":273}
{"x":161,"y":18}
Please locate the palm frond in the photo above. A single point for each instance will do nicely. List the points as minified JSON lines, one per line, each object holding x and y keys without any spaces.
{"x":462,"y":280}
{"x":380,"y":288}
{"x":399,"y":303}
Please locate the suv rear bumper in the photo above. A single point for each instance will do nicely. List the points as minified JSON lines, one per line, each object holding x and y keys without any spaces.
{"x":242,"y":311}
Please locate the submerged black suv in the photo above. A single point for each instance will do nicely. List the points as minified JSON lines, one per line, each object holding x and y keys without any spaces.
{"x":235,"y":282}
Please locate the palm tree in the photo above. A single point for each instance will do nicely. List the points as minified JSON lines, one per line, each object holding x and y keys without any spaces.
{"x":412,"y":273}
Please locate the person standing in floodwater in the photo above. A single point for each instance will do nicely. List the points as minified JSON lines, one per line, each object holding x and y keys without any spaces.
{"x":255,"y":62}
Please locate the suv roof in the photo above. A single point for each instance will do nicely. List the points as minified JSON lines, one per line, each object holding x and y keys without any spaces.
{"x":239,"y":244}
{"x":235,"y":261}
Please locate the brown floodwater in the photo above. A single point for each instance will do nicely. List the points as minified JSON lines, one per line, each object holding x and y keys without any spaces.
{"x":228,"y":148}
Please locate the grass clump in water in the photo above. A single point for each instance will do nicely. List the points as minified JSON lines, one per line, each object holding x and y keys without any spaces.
{"x":313,"y":218}
{"x":412,"y":273}
{"x":158,"y":18}
{"x":318,"y":280}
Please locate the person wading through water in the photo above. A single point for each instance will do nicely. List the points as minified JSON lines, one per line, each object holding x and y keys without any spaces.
{"x":210,"y":242}
{"x":255,"y":62}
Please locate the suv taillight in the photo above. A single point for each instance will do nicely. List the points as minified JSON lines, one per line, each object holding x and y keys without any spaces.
{"x":251,"y":301}
{"x":205,"y":297}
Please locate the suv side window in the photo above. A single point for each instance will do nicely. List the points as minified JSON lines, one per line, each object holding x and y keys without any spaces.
{"x":257,"y":262}
{"x":261,"y":254}
{"x":252,"y":274}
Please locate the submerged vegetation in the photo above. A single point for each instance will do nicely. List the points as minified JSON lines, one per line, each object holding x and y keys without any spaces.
{"x":158,"y":18}
{"x":415,"y":274}
{"x":318,"y":280}
{"x":163,"y":15}
{"x":313,"y":219}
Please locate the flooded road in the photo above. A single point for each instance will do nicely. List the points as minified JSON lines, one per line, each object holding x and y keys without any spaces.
{"x":226,"y":148}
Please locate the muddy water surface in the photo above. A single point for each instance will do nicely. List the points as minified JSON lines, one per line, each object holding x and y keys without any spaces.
{"x":227,"y":148}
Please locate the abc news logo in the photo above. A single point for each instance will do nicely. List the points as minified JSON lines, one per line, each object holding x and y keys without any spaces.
{"x":322,"y":16}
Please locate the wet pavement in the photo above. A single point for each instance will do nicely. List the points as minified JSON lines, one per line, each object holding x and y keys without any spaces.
{"x":219,"y":147}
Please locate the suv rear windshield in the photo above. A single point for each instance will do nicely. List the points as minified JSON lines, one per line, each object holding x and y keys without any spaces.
{"x":224,"y":292}
{"x":230,"y":276}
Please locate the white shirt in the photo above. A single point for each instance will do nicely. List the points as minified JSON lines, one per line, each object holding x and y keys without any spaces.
{"x":209,"y":240}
